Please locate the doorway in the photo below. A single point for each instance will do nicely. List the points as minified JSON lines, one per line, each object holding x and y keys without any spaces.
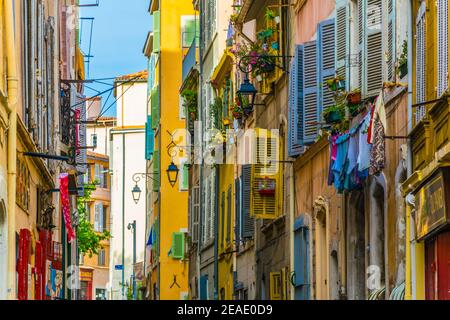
{"x":356,"y":253}
{"x":437,"y":267}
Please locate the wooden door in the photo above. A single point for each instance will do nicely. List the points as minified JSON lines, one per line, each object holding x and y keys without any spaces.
{"x":443,"y":260}
{"x":430,"y":269}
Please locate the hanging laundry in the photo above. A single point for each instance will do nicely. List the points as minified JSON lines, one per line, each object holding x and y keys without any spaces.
{"x":341,"y":163}
{"x":364,"y":146}
{"x":378,"y":112}
{"x":378,"y":154}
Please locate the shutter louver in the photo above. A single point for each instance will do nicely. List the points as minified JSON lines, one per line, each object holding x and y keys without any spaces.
{"x":391,"y":53}
{"x":155,"y":108}
{"x":195,"y":214}
{"x":294,"y":148}
{"x":301,"y":259}
{"x":361,"y":30}
{"x":149,"y":138}
{"x":342,"y":38}
{"x":442,"y":29}
{"x":178,"y":245}
{"x":229,"y":222}
{"x":237,"y":211}
{"x":81,"y":153}
{"x":156,"y":171}
{"x":420,"y":62}
{"x":310,"y":112}
{"x":373,"y":49}
{"x":156,"y":31}
{"x":326,"y":62}
{"x":248,"y":225}
{"x":265,"y":206}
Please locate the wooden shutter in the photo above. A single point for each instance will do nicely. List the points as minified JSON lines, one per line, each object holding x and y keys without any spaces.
{"x":325,"y":62}
{"x":310,"y":112}
{"x":81,"y":154}
{"x":149,"y":138}
{"x":295,"y":95}
{"x":204,"y":287}
{"x":229,"y":206}
{"x":237,"y":211}
{"x":275,"y":286}
{"x":301,"y":259}
{"x":178,"y":245}
{"x":390,"y":40}
{"x":97,"y":217}
{"x":156,"y":171}
{"x":104,"y":219}
{"x":442,"y":43}
{"x":155,"y":108}
{"x":156,"y":31}
{"x":248,"y":224}
{"x":222,"y":220}
{"x":266,"y":170}
{"x":420,"y":62}
{"x":342,"y":39}
{"x":195,"y":214}
{"x":373,"y":49}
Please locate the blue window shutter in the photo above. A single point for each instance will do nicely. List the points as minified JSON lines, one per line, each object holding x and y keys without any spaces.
{"x":204,"y":287}
{"x":294,"y":148}
{"x":325,"y":62}
{"x":149,"y":138}
{"x":342,"y":38}
{"x":310,"y":111}
{"x":301,"y":260}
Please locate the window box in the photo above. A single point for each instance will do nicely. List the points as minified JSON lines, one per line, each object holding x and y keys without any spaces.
{"x":266,"y":187}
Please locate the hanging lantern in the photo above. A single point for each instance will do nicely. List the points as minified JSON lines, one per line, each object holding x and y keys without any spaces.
{"x":172,"y":174}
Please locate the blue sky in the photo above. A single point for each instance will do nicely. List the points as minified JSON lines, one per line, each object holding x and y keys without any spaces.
{"x":120,"y":28}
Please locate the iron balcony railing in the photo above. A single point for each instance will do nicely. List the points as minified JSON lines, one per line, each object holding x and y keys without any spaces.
{"x":190,"y":59}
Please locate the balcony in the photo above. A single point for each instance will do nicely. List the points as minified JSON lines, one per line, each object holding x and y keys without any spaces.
{"x":430,"y":136}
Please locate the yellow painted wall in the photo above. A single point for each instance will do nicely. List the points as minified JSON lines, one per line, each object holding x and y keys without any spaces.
{"x":174,"y":204}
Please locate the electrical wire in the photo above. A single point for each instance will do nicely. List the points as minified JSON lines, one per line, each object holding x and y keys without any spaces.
{"x":112,"y":104}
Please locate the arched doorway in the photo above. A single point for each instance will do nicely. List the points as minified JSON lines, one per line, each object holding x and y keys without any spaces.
{"x":320,"y":259}
{"x":3,"y":251}
{"x":355,"y":246}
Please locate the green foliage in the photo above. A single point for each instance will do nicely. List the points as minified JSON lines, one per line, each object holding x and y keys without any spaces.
{"x":190,"y":101}
{"x":404,"y":55}
{"x":89,"y":241}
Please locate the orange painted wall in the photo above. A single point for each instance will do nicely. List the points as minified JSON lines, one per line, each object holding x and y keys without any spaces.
{"x":311,"y":13}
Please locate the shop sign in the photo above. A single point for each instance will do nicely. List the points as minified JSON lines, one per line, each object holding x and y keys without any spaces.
{"x":431,"y":207}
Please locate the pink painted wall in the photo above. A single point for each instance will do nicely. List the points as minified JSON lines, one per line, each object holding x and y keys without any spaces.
{"x":312,"y":12}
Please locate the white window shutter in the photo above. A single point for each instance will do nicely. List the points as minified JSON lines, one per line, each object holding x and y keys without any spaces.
{"x":389,"y":40}
{"x":97,"y":217}
{"x":442,"y":41}
{"x":342,"y":38}
{"x":420,"y":61}
{"x":373,"y":49}
{"x":195,"y":214}
{"x":361,"y":37}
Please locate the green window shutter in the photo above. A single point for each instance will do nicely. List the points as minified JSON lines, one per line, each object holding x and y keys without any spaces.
{"x":178,"y":245}
{"x":156,"y":243}
{"x":149,"y":138}
{"x":156,"y":31}
{"x":156,"y":171}
{"x":155,"y":108}
{"x":190,"y":30}
{"x":185,"y":177}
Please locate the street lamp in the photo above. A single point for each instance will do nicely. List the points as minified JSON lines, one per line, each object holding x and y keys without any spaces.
{"x":247,"y":95}
{"x":172,"y":174}
{"x":136,"y":192}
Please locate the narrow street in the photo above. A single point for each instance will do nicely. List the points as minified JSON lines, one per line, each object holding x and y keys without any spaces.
{"x":224,"y":150}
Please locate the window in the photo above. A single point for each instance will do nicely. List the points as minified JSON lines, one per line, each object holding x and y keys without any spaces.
{"x":101,"y":176}
{"x":81,"y":258}
{"x":195,"y":215}
{"x":23,"y":185}
{"x":184,"y":176}
{"x":420,"y":61}
{"x":189,"y":30}
{"x":94,"y":140}
{"x":101,"y":258}
{"x":275,"y":286}
{"x":100,"y":218}
{"x":442,"y":42}
{"x":100,"y":294}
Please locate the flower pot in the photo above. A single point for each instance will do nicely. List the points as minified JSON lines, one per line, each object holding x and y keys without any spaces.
{"x":237,"y":115}
{"x":354,"y":98}
{"x":403,"y":69}
{"x":333,"y":117}
{"x":267,"y":192}
{"x":354,"y":111}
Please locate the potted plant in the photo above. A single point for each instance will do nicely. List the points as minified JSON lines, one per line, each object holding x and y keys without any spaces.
{"x":403,"y":61}
{"x":266,"y":187}
{"x":354,"y":97}
{"x":354,"y":109}
{"x":335,"y":84}
{"x":334,"y":113}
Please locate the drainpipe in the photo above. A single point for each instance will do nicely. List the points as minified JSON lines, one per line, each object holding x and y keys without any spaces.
{"x":216,"y":237}
{"x":12,"y":85}
{"x":409,"y":272}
